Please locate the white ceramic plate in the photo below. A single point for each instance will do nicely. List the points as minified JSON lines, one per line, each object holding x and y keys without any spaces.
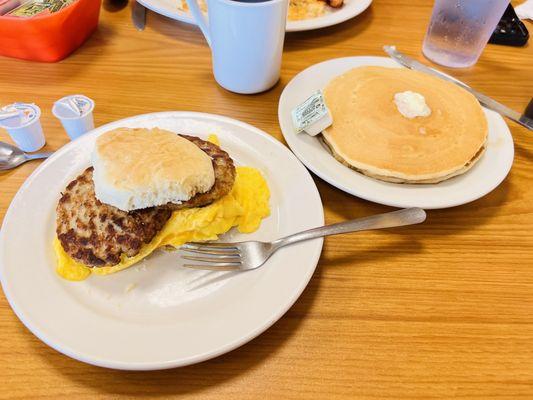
{"x":486,"y":175}
{"x":173,"y":316}
{"x":350,"y":9}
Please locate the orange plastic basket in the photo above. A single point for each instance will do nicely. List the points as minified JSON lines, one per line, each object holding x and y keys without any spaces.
{"x":50,"y":37}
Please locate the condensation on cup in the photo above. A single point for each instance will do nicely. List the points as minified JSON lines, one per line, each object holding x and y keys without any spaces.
{"x":22,"y":122}
{"x":460,"y":29}
{"x":75,"y":113}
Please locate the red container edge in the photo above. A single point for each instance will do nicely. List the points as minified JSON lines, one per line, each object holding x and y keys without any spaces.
{"x":52,"y":37}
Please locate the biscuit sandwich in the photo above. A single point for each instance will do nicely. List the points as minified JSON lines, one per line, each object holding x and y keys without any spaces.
{"x":151,"y":188}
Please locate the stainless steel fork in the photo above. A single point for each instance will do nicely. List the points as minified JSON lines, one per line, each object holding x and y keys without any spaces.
{"x":251,"y":255}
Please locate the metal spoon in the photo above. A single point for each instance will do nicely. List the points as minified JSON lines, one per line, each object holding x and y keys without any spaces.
{"x":12,"y":157}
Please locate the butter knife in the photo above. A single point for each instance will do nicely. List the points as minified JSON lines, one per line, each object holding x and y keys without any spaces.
{"x":138,"y":15}
{"x":483,"y":99}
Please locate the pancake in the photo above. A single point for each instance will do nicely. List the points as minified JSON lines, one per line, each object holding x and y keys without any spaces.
{"x":370,"y":135}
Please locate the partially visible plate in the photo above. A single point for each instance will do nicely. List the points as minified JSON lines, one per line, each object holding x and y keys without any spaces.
{"x":485,"y":176}
{"x":157,"y":314}
{"x":350,"y":9}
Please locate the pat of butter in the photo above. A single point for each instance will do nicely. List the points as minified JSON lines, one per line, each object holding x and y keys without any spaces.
{"x":411,"y":104}
{"x":312,"y":116}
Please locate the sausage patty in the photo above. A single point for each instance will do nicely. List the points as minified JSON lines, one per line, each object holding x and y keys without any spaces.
{"x":224,"y":176}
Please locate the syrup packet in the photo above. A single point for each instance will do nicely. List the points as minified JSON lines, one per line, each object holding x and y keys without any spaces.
{"x":32,"y":8}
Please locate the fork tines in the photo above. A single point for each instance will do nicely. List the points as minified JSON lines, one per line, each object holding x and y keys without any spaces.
{"x":216,"y":256}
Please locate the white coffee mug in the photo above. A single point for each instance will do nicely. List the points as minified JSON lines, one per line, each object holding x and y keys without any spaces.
{"x":246,"y":40}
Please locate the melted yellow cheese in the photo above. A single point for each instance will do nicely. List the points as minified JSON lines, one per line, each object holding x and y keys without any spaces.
{"x":244,"y":207}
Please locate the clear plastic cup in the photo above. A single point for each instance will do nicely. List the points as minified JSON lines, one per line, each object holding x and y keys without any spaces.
{"x":460,"y":29}
{"x":75,"y":113}
{"x":22,"y":122}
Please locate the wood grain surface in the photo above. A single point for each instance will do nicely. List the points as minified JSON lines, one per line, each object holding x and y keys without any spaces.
{"x":440,"y":310}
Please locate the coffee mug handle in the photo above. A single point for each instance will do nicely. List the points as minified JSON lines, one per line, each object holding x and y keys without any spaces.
{"x":201,"y":20}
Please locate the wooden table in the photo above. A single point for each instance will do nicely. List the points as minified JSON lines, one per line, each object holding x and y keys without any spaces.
{"x":441,"y":310}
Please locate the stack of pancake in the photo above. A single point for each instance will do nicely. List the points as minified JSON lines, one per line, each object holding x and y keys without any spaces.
{"x":372,"y":136}
{"x":139,"y":177}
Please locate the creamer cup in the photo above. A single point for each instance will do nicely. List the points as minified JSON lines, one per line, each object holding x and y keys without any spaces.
{"x":22,"y":122}
{"x":75,"y":113}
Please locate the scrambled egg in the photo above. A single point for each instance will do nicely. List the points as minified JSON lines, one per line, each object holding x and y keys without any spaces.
{"x":244,"y":207}
{"x":298,"y":9}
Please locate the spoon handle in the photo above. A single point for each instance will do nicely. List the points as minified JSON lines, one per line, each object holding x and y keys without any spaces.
{"x":37,"y":155}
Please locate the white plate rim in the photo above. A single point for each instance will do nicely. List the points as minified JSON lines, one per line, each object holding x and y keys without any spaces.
{"x":306,"y":160}
{"x":332,"y":18}
{"x":147,"y":366}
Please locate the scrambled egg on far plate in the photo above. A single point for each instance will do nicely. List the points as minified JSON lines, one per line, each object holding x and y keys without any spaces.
{"x":298,"y":9}
{"x":244,"y":207}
